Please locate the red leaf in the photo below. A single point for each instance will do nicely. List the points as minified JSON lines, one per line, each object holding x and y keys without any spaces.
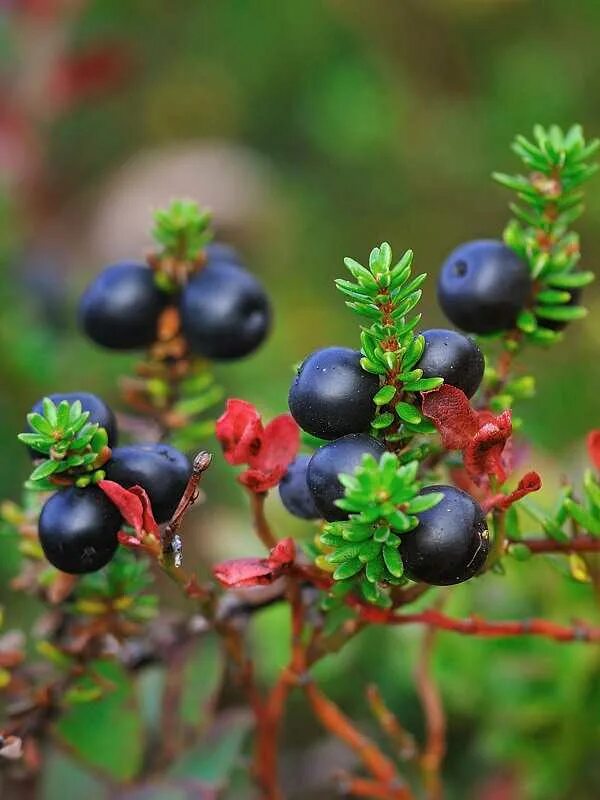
{"x":259,"y":481}
{"x":133,"y":504}
{"x":452,"y":414}
{"x":531,"y":482}
{"x":480,"y":435}
{"x":280,"y":443}
{"x":239,"y":573}
{"x":240,"y":431}
{"x":593,"y":446}
{"x":267,"y":451}
{"x":283,"y":554}
{"x":78,"y":76}
{"x":483,"y":454}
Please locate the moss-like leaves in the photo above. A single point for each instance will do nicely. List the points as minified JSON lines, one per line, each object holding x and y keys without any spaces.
{"x":383,"y":500}
{"x":550,"y":200}
{"x":70,"y":447}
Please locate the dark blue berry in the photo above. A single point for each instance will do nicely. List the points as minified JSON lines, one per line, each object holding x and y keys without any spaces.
{"x":121,"y":307}
{"x":328,"y":462}
{"x":332,"y":395}
{"x":483,"y":286}
{"x":99,"y":413}
{"x":78,"y":529}
{"x":453,"y":357}
{"x":160,"y":469}
{"x":225,"y":313}
{"x":450,"y":543}
{"x":294,"y":492}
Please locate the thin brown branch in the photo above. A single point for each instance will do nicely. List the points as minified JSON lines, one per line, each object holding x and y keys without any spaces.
{"x":475,"y":626}
{"x":579,"y":544}
{"x":201,"y":463}
{"x":261,"y":525}
{"x":377,"y":763}
{"x":402,"y":740}
{"x":434,"y":750}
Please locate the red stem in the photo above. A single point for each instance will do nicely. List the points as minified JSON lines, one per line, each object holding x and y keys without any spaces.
{"x":475,"y":626}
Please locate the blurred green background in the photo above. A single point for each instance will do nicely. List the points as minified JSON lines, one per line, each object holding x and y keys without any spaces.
{"x":315,"y":130}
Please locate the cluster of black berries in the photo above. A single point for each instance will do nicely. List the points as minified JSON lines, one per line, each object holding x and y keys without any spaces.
{"x":78,"y":527}
{"x":332,"y":398}
{"x":224,"y":311}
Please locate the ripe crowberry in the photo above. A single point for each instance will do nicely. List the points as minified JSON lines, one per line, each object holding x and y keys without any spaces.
{"x":225,"y":312}
{"x":332,"y":395}
{"x":483,"y":285}
{"x":99,"y":413}
{"x":328,"y":462}
{"x":121,"y":307}
{"x":294,"y":492}
{"x":453,"y":357}
{"x":450,"y":543}
{"x":160,"y":469}
{"x":78,"y":529}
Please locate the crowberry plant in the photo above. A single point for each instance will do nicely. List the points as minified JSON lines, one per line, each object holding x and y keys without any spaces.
{"x":407,"y":480}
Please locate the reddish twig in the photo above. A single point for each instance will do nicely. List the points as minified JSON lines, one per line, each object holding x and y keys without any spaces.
{"x":377,"y":763}
{"x":434,"y":750}
{"x":261,"y":525}
{"x":402,"y":740}
{"x":350,"y":786}
{"x":475,"y":626}
{"x":274,"y":706}
{"x":201,"y":463}
{"x":580,"y":544}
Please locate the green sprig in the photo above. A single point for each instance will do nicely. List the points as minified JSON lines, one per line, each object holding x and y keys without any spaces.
{"x":385,"y":294}
{"x":383,"y":500}
{"x":182,"y":229}
{"x":549,"y":201}
{"x":68,"y":445}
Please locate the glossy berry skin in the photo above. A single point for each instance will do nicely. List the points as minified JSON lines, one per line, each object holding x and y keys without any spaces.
{"x":99,"y":413}
{"x":121,"y":307}
{"x":225,"y":312}
{"x":160,"y":469}
{"x":294,"y":492}
{"x":342,"y":456}
{"x":332,"y":395}
{"x":78,"y":529}
{"x":483,"y":285}
{"x":451,"y":542}
{"x":454,"y":357}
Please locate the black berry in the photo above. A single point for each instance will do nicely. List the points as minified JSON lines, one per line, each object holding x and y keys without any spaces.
{"x":78,"y":529}
{"x":294,"y":492}
{"x":483,"y":285}
{"x":99,"y":413}
{"x":342,"y":456}
{"x":160,"y":469}
{"x":332,"y":395}
{"x":453,"y":357}
{"x":451,"y":542}
{"x":225,"y":313}
{"x":121,"y":307}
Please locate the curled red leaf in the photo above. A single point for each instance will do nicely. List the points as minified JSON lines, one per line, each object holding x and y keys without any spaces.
{"x":268,"y":451}
{"x":134,"y":505}
{"x":480,"y":435}
{"x":593,"y":446}
{"x":239,"y":430}
{"x":531,"y":482}
{"x":240,"y":573}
